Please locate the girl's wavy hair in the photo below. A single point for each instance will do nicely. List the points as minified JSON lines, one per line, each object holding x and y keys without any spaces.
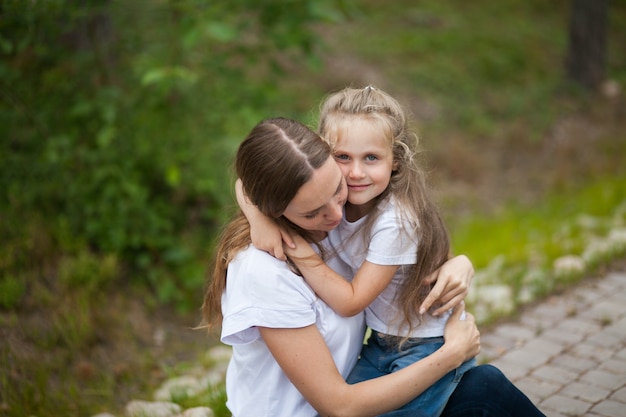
{"x":274,"y":161}
{"x":408,"y":184}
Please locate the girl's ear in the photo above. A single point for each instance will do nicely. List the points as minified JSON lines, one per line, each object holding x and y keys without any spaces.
{"x":394,"y":167}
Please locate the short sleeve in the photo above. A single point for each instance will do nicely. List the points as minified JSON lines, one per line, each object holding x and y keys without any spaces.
{"x":392,"y":240}
{"x":261,"y":291}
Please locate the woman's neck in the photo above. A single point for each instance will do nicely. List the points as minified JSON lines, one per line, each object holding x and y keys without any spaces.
{"x":318,"y":235}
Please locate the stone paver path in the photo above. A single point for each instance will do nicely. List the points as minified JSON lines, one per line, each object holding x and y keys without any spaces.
{"x":568,"y":353}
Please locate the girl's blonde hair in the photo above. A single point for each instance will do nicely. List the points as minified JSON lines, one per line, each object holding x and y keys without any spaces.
{"x":408,"y":184}
{"x":273,"y":162}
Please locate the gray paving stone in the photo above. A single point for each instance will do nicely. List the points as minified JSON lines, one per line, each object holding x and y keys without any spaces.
{"x":619,"y":395}
{"x":585,"y":392}
{"x":581,"y":326}
{"x":614,"y":365}
{"x":603,"y":311}
{"x":606,"y":339}
{"x":565,"y":405}
{"x":565,"y":337}
{"x":621,"y":354}
{"x":604,"y":379}
{"x":556,"y":310}
{"x":516,"y":333}
{"x":550,"y":413}
{"x":537,"y":389}
{"x":610,"y":408}
{"x":543,"y":346}
{"x":526,"y":358}
{"x":598,"y":353}
{"x":555,"y":374}
{"x":575,"y":363}
{"x":618,"y":327}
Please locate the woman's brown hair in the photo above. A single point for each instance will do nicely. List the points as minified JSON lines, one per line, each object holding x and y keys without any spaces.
{"x":273,"y":162}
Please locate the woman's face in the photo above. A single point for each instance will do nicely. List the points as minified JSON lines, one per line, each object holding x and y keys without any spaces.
{"x":318,"y":205}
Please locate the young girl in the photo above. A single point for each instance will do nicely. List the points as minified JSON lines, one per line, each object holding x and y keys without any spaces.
{"x":392,"y":237}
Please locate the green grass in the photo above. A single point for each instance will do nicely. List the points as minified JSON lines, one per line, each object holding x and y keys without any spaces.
{"x":561,"y":224}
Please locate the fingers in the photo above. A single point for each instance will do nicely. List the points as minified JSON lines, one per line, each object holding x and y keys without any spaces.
{"x":287,"y":239}
{"x":453,"y":302}
{"x":278,"y":253}
{"x":433,"y":295}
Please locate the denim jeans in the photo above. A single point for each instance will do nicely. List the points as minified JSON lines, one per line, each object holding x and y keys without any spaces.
{"x":483,"y":391}
{"x":381,"y":356}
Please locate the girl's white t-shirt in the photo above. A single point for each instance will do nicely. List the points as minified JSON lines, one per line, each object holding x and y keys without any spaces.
{"x":262,"y":291}
{"x":391,"y":241}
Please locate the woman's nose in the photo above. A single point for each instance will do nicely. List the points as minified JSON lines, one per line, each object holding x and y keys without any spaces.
{"x":335,"y":211}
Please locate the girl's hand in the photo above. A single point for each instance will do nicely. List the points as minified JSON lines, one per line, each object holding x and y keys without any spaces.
{"x":461,"y":334}
{"x":452,"y":282}
{"x":269,"y":237}
{"x":301,"y":252}
{"x":264,"y":232}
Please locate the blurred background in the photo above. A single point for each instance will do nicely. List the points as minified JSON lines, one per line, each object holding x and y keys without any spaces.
{"x":119,"y":121}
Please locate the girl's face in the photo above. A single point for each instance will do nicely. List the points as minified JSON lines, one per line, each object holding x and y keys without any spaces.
{"x":366,"y":160}
{"x":318,"y":205}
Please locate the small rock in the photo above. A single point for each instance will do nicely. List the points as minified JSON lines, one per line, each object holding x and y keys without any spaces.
{"x":138,"y":408}
{"x":198,"y":412}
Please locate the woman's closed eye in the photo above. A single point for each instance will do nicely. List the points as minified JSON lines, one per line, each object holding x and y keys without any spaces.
{"x":311,"y":216}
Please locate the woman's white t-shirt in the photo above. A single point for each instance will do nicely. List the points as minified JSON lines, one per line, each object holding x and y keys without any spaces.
{"x":262,"y":291}
{"x":391,"y":241}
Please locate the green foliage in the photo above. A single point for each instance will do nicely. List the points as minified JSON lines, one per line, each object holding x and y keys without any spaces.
{"x":12,"y":290}
{"x":118,"y":123}
{"x":120,"y":120}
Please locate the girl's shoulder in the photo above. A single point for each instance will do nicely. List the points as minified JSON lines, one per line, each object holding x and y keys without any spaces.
{"x":391,"y":210}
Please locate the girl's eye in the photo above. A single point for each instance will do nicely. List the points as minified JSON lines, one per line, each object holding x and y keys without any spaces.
{"x":342,"y":157}
{"x":371,"y":157}
{"x":310,"y":216}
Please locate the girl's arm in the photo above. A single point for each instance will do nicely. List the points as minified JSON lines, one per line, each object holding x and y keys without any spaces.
{"x":264,"y":232}
{"x":345,"y":297}
{"x":325,"y":389}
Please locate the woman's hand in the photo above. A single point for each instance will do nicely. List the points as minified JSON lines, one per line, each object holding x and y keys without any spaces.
{"x":452,"y":283}
{"x":461,"y":334}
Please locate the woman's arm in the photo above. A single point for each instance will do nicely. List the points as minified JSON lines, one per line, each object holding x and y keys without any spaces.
{"x":307,"y":362}
{"x":345,"y":297}
{"x":452,"y":282}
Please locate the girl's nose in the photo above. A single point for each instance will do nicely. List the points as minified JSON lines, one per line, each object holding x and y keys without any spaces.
{"x":355,"y":170}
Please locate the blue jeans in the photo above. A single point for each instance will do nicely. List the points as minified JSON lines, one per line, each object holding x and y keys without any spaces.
{"x":484,"y":391}
{"x":381,"y":356}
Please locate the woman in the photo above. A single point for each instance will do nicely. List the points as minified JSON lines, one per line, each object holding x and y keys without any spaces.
{"x":291,"y":352}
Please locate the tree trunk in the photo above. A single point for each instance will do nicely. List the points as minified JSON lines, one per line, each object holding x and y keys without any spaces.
{"x":585,"y":63}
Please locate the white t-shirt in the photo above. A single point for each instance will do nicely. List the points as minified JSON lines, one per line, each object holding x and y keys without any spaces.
{"x":391,"y":242}
{"x":262,"y":291}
